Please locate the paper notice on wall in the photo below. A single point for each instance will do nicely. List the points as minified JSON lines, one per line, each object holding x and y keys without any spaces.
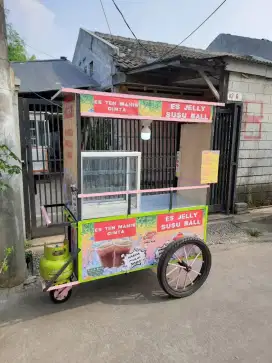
{"x":209,"y":166}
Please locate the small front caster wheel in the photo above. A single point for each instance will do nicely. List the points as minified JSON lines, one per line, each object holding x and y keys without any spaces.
{"x":59,"y":296}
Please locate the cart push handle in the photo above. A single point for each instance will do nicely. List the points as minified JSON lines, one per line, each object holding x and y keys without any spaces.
{"x":48,"y":221}
{"x":45,"y":216}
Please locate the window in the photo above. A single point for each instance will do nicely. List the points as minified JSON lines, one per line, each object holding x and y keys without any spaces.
{"x":85,"y":69}
{"x":91,"y":68}
{"x":79,"y":64}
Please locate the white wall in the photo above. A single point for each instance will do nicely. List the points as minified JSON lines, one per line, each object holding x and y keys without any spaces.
{"x":90,"y":49}
{"x":254,"y":182}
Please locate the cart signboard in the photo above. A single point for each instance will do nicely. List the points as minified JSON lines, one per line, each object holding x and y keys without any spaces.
{"x":117,"y":245}
{"x":98,"y":104}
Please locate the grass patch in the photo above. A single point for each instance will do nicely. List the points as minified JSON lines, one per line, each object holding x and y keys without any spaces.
{"x":254,"y":232}
{"x":28,"y":245}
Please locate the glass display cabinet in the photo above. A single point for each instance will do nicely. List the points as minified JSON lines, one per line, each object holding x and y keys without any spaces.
{"x":108,"y":172}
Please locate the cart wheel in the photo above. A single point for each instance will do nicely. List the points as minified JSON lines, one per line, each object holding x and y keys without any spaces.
{"x":184,"y":267}
{"x":57,"y":297}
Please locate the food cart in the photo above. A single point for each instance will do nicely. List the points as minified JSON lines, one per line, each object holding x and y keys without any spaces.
{"x":112,"y":225}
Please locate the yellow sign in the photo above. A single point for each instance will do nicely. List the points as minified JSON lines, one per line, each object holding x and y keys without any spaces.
{"x":209,"y":166}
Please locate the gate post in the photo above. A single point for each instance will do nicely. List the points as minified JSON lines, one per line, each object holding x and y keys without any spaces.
{"x":235,"y":147}
{"x":23,"y":124}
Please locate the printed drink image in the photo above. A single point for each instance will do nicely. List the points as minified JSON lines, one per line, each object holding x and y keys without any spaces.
{"x":106,"y":254}
{"x":121,"y":248}
{"x":112,"y":254}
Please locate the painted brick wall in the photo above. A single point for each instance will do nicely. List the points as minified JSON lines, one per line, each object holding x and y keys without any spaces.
{"x":254,"y":181}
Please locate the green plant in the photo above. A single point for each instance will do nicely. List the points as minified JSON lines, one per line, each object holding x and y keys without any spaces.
{"x":254,"y":232}
{"x":29,"y":256}
{"x":6,"y":155}
{"x":28,"y":244}
{"x":4,"y":264}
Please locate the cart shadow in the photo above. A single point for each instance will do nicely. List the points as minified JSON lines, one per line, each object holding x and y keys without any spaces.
{"x":132,"y":289}
{"x":141,"y":287}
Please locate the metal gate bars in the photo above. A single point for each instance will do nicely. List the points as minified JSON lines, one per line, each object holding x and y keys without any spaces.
{"x":41,"y":147}
{"x":225,"y":137}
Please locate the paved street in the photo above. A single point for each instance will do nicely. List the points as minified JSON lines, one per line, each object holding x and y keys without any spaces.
{"x":128,"y":319}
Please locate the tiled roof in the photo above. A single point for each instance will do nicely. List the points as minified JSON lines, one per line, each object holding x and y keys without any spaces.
{"x":50,"y":75}
{"x":132,"y":55}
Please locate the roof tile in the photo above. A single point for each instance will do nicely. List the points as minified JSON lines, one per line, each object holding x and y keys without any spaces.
{"x":131,"y":54}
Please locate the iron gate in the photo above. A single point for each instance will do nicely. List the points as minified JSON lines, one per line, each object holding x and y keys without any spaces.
{"x":42,"y":151}
{"x":225,"y":137}
{"x":41,"y":132}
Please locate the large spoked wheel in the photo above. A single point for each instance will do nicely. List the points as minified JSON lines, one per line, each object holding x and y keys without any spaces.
{"x":184,"y":267}
{"x":59,"y":296}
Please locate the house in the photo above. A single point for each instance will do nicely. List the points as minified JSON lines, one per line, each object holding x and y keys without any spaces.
{"x":120,"y":64}
{"x":250,"y":80}
{"x":228,"y":43}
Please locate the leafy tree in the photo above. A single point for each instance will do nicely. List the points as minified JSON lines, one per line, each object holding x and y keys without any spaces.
{"x":16,"y":45}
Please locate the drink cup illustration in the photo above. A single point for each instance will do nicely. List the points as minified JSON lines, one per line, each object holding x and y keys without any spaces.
{"x":121,"y":247}
{"x":110,"y":253}
{"x":105,"y":253}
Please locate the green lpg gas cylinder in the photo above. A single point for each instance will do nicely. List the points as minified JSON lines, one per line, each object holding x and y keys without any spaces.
{"x":52,"y":261}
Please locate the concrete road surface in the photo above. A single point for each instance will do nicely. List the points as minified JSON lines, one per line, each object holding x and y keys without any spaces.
{"x":129,"y":319}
